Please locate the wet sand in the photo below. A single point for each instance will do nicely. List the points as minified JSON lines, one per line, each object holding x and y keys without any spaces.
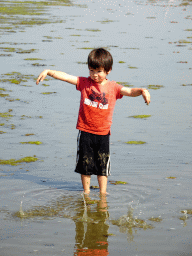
{"x":151,"y":213}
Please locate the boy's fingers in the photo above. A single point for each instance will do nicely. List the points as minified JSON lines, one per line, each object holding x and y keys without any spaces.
{"x":39,"y":79}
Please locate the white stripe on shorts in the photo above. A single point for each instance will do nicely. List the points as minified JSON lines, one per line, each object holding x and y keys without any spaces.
{"x":108,"y":167}
{"x":78,"y":142}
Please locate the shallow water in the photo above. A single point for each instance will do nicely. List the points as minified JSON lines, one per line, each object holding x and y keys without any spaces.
{"x":144,"y":34}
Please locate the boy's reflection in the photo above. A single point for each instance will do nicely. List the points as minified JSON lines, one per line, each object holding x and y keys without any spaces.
{"x":91,"y":228}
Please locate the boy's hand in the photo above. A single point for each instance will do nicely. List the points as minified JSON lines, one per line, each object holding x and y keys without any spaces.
{"x":146,"y":96}
{"x":42,"y":76}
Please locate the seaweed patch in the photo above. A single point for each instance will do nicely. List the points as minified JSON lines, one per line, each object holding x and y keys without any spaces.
{"x":141,"y":116}
{"x":139,"y":142}
{"x":14,"y":162}
{"x":32,"y":142}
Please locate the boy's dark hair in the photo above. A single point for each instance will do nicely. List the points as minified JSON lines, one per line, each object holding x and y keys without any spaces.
{"x":100,"y":58}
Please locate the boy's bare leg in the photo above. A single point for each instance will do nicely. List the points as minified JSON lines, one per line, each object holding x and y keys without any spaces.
{"x":86,"y":179}
{"x":102,"y":205}
{"x":102,"y":180}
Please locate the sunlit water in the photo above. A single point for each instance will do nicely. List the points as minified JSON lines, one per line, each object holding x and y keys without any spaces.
{"x":145,"y":35}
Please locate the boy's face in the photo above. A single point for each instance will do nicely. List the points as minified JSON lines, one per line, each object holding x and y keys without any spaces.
{"x":98,"y":75}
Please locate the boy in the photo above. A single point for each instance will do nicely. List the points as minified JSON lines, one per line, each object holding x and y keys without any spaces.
{"x":98,"y":97}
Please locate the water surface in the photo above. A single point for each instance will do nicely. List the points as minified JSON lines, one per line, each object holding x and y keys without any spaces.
{"x":150,"y":38}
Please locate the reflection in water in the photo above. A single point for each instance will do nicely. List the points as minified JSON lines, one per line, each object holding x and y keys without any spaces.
{"x":91,"y":228}
{"x":91,"y":219}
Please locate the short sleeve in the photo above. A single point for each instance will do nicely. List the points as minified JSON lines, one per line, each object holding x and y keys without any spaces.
{"x":81,"y":83}
{"x":118,"y":88}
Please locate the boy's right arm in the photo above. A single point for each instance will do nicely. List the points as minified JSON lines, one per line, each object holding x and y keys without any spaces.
{"x":57,"y":75}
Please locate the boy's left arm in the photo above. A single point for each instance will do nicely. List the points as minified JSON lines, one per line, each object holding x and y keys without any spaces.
{"x":134,"y":92}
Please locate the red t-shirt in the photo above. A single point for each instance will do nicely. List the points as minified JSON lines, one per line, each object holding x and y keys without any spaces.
{"x":96,"y":105}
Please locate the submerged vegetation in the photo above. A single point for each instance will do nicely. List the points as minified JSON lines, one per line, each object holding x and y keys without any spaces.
{"x":135,"y":142}
{"x":6,"y":115}
{"x":27,"y":13}
{"x":128,"y":223}
{"x":131,"y":67}
{"x":83,"y":209}
{"x":125,"y":84}
{"x":118,"y":182}
{"x":16,"y":78}
{"x":154,"y":87}
{"x":27,"y":159}
{"x":46,"y":93}
{"x":155,"y":219}
{"x":32,"y":142}
{"x":171,"y":178}
{"x":141,"y":116}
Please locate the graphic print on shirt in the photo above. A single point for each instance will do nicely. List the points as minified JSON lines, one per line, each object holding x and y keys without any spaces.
{"x":97,"y":100}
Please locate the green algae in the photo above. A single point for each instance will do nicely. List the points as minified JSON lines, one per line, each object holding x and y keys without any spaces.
{"x":106,"y":21}
{"x":13,"y":126}
{"x":23,"y":116}
{"x":32,"y":142}
{"x":1,"y":132}
{"x":93,"y":30}
{"x":135,"y":142}
{"x":3,"y":89}
{"x":83,"y":63}
{"x":45,"y":85}
{"x":4,"y":95}
{"x":32,"y":59}
{"x":185,"y":42}
{"x":46,"y":93}
{"x":184,"y":4}
{"x":125,"y":84}
{"x":8,"y":49}
{"x":38,"y":65}
{"x":5,"y":55}
{"x":29,"y":134}
{"x":11,"y":100}
{"x":154,"y":87}
{"x":2,"y":124}
{"x":118,"y":182}
{"x":6,"y":115}
{"x":17,"y":15}
{"x":171,"y":177}
{"x":186,"y":84}
{"x":141,"y":116}
{"x":155,"y":219}
{"x":14,"y":162}
{"x":20,"y":51}
{"x":94,"y":187}
{"x":41,"y":211}
{"x":16,"y":78}
{"x":131,"y":67}
{"x":121,"y":61}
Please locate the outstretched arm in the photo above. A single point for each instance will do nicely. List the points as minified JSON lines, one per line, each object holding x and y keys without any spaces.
{"x":134,"y":92}
{"x":57,"y":75}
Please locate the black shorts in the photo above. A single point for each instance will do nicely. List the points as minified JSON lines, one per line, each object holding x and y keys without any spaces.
{"x":93,"y":154}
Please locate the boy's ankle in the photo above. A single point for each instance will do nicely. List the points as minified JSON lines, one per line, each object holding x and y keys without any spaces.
{"x":86,"y":192}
